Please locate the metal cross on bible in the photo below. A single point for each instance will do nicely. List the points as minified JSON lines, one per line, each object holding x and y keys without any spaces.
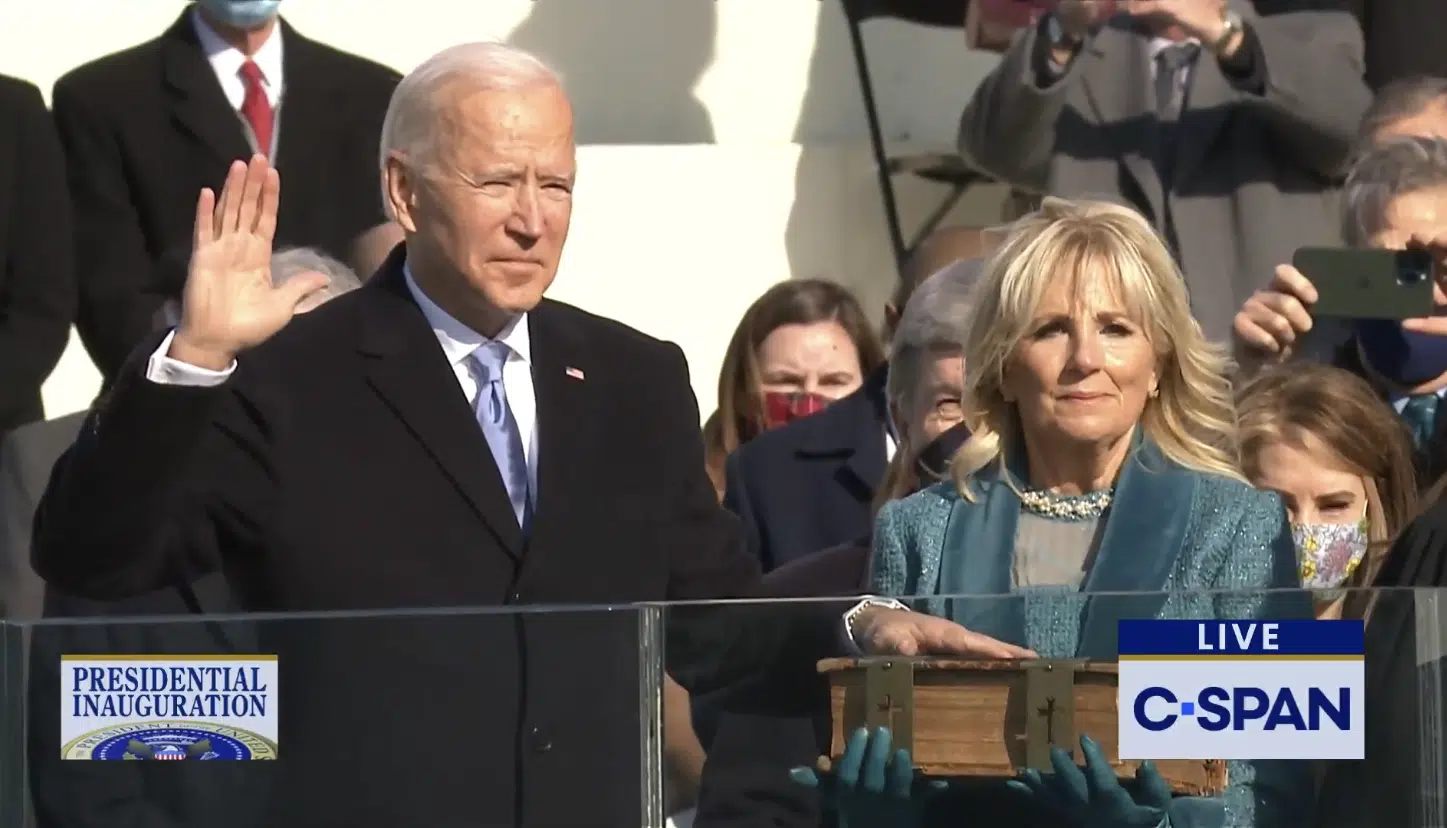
{"x":889,"y":708}
{"x":1047,"y":712}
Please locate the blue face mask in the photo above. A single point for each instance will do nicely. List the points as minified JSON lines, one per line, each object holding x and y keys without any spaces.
{"x":1403,"y":358}
{"x":241,"y":14}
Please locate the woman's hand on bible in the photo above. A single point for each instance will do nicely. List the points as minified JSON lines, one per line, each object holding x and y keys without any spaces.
{"x":229,"y":303}
{"x":872,"y":786}
{"x":884,"y":631}
{"x":1093,"y":797}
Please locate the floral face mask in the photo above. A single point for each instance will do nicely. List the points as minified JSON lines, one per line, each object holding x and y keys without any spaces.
{"x":1328,"y":553}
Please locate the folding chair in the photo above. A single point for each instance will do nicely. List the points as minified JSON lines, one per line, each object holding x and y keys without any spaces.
{"x":948,"y":169}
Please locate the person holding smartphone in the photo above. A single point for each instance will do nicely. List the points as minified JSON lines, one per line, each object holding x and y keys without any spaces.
{"x":1395,"y":198}
{"x":1228,"y":128}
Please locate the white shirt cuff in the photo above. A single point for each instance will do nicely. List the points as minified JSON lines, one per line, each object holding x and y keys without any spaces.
{"x":850,"y":643}
{"x":163,"y":370}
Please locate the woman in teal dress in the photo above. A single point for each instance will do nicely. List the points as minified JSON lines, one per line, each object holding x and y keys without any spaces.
{"x":1101,"y":480}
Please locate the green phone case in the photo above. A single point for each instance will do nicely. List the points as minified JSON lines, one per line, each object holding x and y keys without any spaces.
{"x":1368,"y":284}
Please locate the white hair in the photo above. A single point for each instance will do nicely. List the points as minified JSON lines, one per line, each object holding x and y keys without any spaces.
{"x":937,"y":316}
{"x":285,"y":264}
{"x":410,"y":126}
{"x":292,"y":262}
{"x":1385,"y":172}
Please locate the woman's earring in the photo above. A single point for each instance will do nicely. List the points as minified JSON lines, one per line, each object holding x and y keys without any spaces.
{"x":1155,"y":392}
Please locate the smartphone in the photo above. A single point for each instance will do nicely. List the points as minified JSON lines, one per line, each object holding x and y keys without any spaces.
{"x":1368,"y":284}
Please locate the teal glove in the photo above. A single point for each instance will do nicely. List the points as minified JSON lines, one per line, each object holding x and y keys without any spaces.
{"x":1094,"y":797}
{"x":871,"y":787}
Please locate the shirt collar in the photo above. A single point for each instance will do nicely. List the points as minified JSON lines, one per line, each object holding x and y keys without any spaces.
{"x":1160,"y":44}
{"x":226,"y":59}
{"x":459,"y":341}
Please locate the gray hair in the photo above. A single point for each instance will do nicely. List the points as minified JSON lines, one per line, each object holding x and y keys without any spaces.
{"x":1384,"y":173}
{"x":292,"y":262}
{"x":285,"y":264}
{"x":410,"y":127}
{"x":1399,"y":100}
{"x":936,"y":316}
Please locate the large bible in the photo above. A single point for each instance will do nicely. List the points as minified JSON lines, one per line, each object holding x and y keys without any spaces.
{"x":992,"y":718}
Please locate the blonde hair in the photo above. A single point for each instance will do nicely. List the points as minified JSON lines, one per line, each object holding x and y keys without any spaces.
{"x":1191,"y":419}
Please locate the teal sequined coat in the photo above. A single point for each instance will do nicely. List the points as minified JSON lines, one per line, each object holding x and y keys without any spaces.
{"x":1177,"y":544}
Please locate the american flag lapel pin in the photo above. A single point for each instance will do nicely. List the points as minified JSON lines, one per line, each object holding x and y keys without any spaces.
{"x":575,"y":373}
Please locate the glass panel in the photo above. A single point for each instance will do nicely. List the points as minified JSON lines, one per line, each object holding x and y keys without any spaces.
{"x":762,"y":708}
{"x":380,"y":719}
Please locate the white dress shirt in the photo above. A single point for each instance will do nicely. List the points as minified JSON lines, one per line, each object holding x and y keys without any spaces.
{"x":458,"y":342}
{"x":226,"y":61}
{"x":1160,"y":44}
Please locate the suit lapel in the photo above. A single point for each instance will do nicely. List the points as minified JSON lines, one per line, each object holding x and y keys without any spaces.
{"x":1144,"y":533}
{"x":198,"y":106}
{"x":1208,"y":102}
{"x":563,"y":379}
{"x":854,"y":439}
{"x":407,"y":369}
{"x":1118,"y":86}
{"x":975,"y":559}
{"x":307,"y":92}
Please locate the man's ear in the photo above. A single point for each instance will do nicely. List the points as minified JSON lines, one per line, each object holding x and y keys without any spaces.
{"x":401,"y":192}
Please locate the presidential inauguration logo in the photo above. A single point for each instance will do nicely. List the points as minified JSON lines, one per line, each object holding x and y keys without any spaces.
{"x":168,"y":708}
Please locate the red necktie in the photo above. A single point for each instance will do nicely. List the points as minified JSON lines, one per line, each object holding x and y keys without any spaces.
{"x":255,"y":108}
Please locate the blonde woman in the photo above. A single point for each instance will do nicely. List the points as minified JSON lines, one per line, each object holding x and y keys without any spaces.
{"x":1102,"y":459}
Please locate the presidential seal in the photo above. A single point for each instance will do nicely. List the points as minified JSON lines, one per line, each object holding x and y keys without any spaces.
{"x":170,"y":741}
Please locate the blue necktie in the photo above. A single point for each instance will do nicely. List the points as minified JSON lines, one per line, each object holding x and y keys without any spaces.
{"x":501,"y":429}
{"x":1420,"y":413}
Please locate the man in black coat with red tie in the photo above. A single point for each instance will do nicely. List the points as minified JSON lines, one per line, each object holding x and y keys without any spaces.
{"x":443,"y":437}
{"x":146,"y":128}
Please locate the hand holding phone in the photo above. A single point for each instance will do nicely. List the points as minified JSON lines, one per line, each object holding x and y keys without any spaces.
{"x":1370,"y":284}
{"x":1276,"y":316}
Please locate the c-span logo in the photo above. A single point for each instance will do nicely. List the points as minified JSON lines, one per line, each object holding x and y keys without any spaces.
{"x":168,"y":708}
{"x":1241,"y":690}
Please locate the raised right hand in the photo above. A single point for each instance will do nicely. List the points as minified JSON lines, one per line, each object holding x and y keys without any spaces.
{"x":883,"y":631}
{"x":1277,"y":315}
{"x":229,"y":303}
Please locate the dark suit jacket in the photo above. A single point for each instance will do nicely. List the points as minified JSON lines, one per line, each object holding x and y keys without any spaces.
{"x":26,"y":458}
{"x":808,"y":486}
{"x":341,"y":468}
{"x":102,"y":794}
{"x":1403,"y":38}
{"x":763,"y":731}
{"x":37,"y":275}
{"x":1403,"y":732}
{"x":146,"y":129}
{"x":1430,"y":460}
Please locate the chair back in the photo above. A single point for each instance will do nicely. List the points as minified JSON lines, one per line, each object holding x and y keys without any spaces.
{"x":943,"y":13}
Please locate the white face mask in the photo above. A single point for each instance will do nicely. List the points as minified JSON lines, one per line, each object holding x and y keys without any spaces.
{"x":1328,"y":553}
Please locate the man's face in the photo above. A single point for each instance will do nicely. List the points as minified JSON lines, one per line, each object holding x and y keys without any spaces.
{"x":1423,"y":213}
{"x":1429,"y":123}
{"x":937,"y":403}
{"x":492,"y":206}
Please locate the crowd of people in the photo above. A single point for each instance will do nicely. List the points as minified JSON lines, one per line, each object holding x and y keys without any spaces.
{"x":1121,"y":404}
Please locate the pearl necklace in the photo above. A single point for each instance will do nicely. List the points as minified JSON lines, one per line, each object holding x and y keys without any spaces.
{"x":1067,"y":507}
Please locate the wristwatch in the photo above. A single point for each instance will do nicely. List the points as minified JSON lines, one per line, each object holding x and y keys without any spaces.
{"x":1231,"y":21}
